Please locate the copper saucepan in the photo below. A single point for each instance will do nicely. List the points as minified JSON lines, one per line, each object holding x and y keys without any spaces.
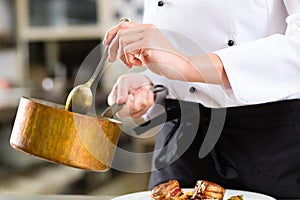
{"x":48,"y":131}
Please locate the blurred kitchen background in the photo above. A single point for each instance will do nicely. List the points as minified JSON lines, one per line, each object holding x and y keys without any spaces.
{"x":43,"y":44}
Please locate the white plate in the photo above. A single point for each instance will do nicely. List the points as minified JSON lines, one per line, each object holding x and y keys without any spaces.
{"x":247,"y":195}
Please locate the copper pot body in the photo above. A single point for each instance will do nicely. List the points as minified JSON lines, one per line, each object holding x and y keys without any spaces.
{"x":46,"y":130}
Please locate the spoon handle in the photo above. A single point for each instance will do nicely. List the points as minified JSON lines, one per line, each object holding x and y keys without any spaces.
{"x":101,"y":66}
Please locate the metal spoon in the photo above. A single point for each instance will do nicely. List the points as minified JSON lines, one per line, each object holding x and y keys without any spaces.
{"x":80,"y":99}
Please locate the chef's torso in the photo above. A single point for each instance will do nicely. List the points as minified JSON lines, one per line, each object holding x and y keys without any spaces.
{"x":204,"y":26}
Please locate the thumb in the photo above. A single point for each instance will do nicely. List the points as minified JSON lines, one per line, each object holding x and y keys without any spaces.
{"x":122,"y":93}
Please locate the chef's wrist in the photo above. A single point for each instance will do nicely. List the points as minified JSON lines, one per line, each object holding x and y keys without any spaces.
{"x":217,"y":62}
{"x":207,"y":68}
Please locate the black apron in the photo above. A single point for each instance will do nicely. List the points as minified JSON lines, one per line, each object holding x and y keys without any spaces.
{"x":258,"y":150}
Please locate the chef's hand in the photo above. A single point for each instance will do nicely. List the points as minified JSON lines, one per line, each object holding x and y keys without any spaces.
{"x":134,"y":90}
{"x":141,"y":44}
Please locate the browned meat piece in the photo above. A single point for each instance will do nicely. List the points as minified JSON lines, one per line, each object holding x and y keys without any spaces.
{"x":205,"y":190}
{"x":167,"y":191}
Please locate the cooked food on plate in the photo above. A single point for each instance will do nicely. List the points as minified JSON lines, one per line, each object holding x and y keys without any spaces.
{"x":204,"y":190}
{"x":208,"y":190}
{"x":170,"y":191}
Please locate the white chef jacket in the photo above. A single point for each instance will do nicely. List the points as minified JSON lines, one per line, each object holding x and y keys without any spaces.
{"x":262,"y":66}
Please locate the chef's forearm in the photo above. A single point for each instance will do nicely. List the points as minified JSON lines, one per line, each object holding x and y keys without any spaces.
{"x":206,"y":68}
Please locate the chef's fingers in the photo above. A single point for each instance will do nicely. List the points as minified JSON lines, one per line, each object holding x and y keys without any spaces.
{"x":112,"y":32}
{"x":143,"y":99}
{"x":113,"y":44}
{"x":124,"y":112}
{"x":111,"y":99}
{"x":128,"y":44}
{"x":122,"y":90}
{"x":123,"y":38}
{"x":134,"y":54}
{"x":122,"y":30}
{"x":131,"y":59}
{"x":137,"y":104}
{"x":127,"y":84}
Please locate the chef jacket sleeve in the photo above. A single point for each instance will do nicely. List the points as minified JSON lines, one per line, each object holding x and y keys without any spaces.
{"x":267,"y":69}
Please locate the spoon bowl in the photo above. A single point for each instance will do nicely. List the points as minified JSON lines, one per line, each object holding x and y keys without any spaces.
{"x":80,"y":99}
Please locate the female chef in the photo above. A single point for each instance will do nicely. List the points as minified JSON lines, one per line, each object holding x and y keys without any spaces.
{"x":228,"y":64}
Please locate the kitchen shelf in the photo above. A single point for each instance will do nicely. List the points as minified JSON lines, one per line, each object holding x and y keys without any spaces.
{"x":28,"y":32}
{"x":58,"y":34}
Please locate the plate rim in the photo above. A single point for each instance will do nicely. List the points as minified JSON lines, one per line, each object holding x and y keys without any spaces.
{"x":238,"y":192}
